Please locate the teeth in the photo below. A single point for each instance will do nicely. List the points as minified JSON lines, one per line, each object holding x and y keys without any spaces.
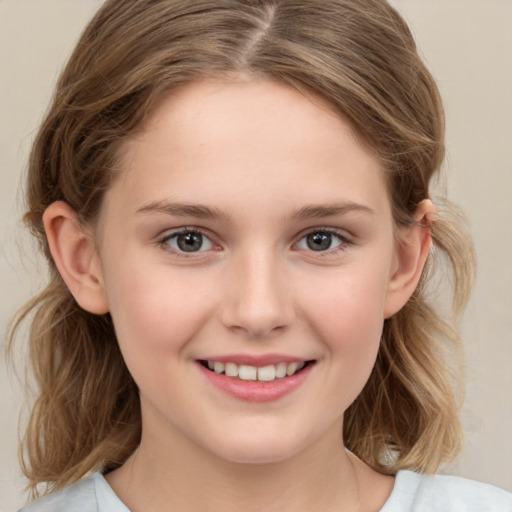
{"x":264,"y":373}
{"x":231,"y":370}
{"x":267,"y":373}
{"x":218,"y":367}
{"x":281,"y":370}
{"x":247,"y":372}
{"x":293,"y":368}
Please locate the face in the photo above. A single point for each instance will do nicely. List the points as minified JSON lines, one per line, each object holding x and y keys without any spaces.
{"x":246,"y":253}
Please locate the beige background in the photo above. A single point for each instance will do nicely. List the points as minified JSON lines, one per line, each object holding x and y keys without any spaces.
{"x":468,"y":45}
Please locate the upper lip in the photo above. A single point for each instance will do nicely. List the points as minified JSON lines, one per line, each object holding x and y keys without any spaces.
{"x":255,"y":360}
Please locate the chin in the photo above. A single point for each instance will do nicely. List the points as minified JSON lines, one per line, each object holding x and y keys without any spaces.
{"x":263,"y":455}
{"x":260,"y":449}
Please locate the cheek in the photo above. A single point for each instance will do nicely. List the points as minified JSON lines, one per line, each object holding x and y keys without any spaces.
{"x":347,"y":312}
{"x":154,"y":313}
{"x":352,"y":299}
{"x":350,"y":325}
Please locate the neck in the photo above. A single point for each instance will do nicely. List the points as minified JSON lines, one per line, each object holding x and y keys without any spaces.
{"x":184,"y":477}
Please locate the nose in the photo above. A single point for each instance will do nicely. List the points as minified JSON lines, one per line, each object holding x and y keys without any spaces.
{"x":257,"y":297}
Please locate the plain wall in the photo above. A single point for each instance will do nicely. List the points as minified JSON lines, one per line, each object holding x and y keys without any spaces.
{"x":468,"y":46}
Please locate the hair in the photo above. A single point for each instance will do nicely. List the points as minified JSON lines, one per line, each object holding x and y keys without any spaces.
{"x":360,"y":56}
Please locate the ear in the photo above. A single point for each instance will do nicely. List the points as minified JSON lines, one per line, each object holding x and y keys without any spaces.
{"x":412,"y":252}
{"x":76,"y":257}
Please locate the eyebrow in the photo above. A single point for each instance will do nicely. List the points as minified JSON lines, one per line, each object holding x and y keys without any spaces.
{"x":314,"y":211}
{"x":199,"y":211}
{"x":183,"y":210}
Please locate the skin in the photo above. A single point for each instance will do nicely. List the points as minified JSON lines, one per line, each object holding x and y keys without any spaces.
{"x":267,"y":166}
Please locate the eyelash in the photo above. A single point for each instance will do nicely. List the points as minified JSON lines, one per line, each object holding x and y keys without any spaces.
{"x":164,"y":241}
{"x":344,"y":240}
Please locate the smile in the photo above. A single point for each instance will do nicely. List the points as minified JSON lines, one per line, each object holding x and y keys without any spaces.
{"x":266,"y":373}
{"x":256,"y":379}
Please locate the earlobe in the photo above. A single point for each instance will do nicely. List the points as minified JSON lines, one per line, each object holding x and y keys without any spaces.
{"x":76,"y":257}
{"x":411,"y":256}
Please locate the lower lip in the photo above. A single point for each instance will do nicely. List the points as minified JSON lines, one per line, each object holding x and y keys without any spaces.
{"x":256,"y":391}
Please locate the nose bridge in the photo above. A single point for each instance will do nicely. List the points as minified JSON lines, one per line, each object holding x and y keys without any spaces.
{"x":257,"y":299}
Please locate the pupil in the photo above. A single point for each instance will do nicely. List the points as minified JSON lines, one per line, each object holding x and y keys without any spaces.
{"x":319,"y":241}
{"x":190,"y":242}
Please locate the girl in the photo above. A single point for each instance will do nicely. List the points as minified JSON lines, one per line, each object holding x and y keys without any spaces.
{"x":233,"y":198}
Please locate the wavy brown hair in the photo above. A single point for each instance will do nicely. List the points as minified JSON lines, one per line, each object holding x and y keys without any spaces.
{"x":358,"y":55}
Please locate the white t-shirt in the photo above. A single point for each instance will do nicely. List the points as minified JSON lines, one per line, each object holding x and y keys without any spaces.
{"x":412,"y":493}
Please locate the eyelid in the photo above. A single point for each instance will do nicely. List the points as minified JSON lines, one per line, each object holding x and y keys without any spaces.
{"x":174,"y":233}
{"x":345,"y":238}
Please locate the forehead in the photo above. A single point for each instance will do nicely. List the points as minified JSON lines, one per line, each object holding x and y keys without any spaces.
{"x":214,"y":108}
{"x":216,"y":140}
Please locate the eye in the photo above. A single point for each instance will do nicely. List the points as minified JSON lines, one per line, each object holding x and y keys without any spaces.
{"x":188,"y":241}
{"x":321,"y":241}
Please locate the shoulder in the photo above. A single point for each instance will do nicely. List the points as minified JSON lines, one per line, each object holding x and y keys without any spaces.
{"x":79,"y":497}
{"x":92,"y":494}
{"x":441,"y":493}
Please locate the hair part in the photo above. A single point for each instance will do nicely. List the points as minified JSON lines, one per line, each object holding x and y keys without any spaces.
{"x":359,"y":56}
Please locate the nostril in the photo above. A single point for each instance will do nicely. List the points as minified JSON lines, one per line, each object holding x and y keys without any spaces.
{"x":257,"y":299}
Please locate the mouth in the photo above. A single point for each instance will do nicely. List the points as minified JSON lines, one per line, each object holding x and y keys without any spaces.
{"x":268,"y":373}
